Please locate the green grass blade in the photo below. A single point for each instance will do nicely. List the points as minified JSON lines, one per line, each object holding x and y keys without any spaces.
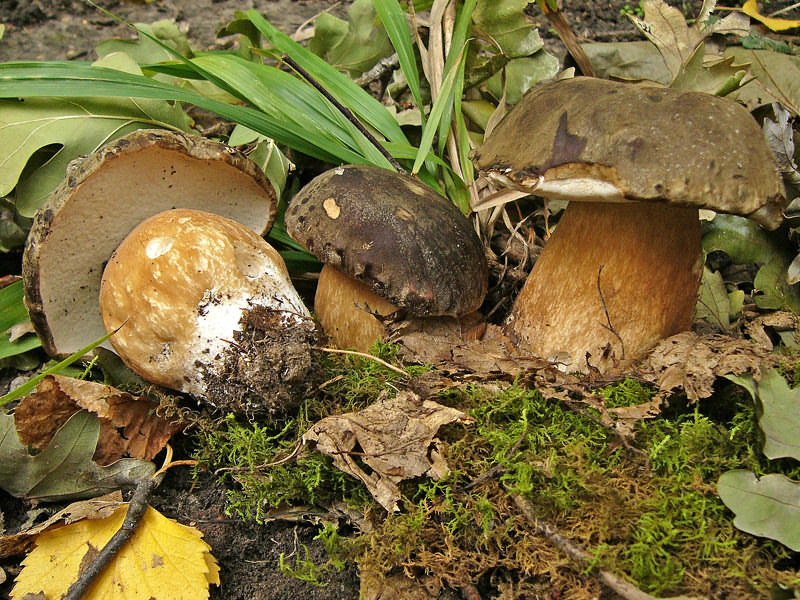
{"x":12,"y":310}
{"x":394,"y":21}
{"x":443,"y":102}
{"x":285,"y":97}
{"x":19,"y":80}
{"x":339,"y":85}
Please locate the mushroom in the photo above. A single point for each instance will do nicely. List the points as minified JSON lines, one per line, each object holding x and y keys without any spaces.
{"x":622,"y":269}
{"x":389,"y":244}
{"x":103,"y":197}
{"x":205,"y":305}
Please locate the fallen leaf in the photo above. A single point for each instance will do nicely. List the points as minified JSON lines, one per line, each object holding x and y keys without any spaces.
{"x":164,"y":560}
{"x":713,"y":304}
{"x":780,"y":413}
{"x":96,"y":508}
{"x":777,"y":78}
{"x":394,"y":437}
{"x":768,"y":506}
{"x":691,"y":363}
{"x":750,"y":8}
{"x":129,"y":425}
{"x":64,"y":469}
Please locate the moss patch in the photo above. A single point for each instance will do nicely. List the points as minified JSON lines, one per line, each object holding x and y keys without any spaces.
{"x":650,"y":513}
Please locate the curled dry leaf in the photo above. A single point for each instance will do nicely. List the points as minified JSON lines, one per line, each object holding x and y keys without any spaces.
{"x":96,"y":508}
{"x":692,"y":363}
{"x":394,"y":437}
{"x":129,"y":425}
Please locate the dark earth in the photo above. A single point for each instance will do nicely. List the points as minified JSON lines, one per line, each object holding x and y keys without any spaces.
{"x":248,"y":552}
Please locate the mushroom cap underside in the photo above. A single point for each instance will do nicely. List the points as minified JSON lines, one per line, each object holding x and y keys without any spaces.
{"x":647,"y":143}
{"x":103,"y":197}
{"x":410,"y":245}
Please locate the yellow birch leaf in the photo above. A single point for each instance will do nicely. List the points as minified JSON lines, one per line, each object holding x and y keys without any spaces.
{"x":164,"y":560}
{"x":750,"y":8}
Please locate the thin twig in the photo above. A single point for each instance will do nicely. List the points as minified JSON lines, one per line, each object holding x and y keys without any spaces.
{"x":136,"y":509}
{"x":281,"y":461}
{"x":610,"y":327}
{"x":580,"y":556}
{"x":363,"y":355}
{"x":345,"y":111}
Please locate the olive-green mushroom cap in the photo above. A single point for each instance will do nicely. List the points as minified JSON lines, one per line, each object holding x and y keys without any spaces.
{"x":651,"y":144}
{"x":410,"y":245}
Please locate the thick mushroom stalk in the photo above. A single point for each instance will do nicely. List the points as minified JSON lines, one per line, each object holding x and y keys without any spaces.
{"x":623,"y":267}
{"x":205,"y":306}
{"x":612,"y":280}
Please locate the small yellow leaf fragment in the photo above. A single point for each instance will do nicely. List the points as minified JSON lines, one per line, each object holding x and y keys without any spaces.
{"x":164,"y":561}
{"x":331,"y":208}
{"x":750,"y":8}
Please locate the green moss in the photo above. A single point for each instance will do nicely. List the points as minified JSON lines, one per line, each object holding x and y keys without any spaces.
{"x":652,"y":515}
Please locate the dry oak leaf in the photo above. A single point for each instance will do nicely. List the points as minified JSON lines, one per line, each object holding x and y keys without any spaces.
{"x":164,"y":560}
{"x":692,"y":363}
{"x":129,"y":425}
{"x":394,"y":437}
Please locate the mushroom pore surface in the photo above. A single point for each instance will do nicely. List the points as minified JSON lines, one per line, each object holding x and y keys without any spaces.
{"x":205,"y":306}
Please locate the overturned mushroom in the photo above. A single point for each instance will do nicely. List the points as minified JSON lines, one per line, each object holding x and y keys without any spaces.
{"x":204,"y":305}
{"x":104,"y":196}
{"x":622,"y":269}
{"x":389,"y":243}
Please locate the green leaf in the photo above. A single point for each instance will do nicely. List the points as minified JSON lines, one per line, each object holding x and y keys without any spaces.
{"x":503,"y":23}
{"x":631,"y":61}
{"x":54,"y":79}
{"x":768,"y":506}
{"x":145,"y":50}
{"x":13,"y":312}
{"x":713,"y":304}
{"x":745,"y":242}
{"x":340,"y":86}
{"x":521,"y":74}
{"x":64,"y":469}
{"x":779,"y":408}
{"x":67,"y":128}
{"x":777,"y":74}
{"x":360,"y":46}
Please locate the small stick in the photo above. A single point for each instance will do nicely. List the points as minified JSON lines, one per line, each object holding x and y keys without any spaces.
{"x":580,"y":556}
{"x":136,"y":509}
{"x":345,"y":111}
{"x":363,"y":355}
{"x":610,"y":327}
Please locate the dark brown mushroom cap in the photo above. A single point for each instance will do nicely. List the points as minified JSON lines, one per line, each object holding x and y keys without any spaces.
{"x":388,"y":230}
{"x":655,"y":144}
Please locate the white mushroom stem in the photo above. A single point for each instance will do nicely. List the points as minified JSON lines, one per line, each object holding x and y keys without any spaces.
{"x":344,"y":305}
{"x":612,"y":280}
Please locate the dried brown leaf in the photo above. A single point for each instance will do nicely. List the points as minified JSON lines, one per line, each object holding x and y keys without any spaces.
{"x":129,"y":425}
{"x":96,"y":508}
{"x":393,"y":438}
{"x":692,"y":363}
{"x":397,"y":587}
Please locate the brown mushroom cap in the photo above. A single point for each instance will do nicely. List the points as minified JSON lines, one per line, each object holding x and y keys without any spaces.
{"x":397,"y":236}
{"x":182,"y":288}
{"x":104,"y":196}
{"x":645,"y":143}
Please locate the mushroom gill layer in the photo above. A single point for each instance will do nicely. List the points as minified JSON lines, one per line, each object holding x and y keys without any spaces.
{"x":612,"y":280}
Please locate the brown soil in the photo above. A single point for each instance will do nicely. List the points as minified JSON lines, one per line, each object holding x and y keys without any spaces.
{"x":248,"y":552}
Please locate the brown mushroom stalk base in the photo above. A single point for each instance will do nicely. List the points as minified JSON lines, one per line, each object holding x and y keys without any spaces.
{"x":344,"y":307}
{"x":612,"y":280}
